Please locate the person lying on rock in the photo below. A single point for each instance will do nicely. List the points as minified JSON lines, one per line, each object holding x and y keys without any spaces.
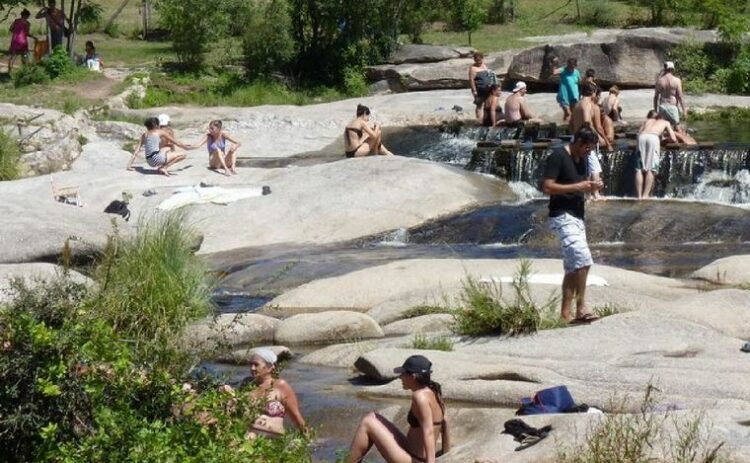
{"x":427,"y":421}
{"x":218,"y":156}
{"x":150,"y":142}
{"x":277,"y":396}
{"x":362,"y":140}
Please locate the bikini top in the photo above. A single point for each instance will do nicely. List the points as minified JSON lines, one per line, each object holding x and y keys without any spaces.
{"x":413,"y":421}
{"x":218,"y":144}
{"x":275,"y":409}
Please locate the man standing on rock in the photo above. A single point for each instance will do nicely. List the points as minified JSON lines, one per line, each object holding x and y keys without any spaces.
{"x":481,"y":80}
{"x":568,"y":94}
{"x":566,"y":181}
{"x":668,"y":96}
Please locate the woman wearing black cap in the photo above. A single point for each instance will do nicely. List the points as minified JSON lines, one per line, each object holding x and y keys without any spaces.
{"x":427,"y":421}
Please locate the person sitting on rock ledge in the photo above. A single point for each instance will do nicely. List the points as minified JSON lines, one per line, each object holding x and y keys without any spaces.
{"x":218,"y":156}
{"x":493,"y":113}
{"x":150,"y":142}
{"x":427,"y":421}
{"x":517,"y":108}
{"x":362,"y":140}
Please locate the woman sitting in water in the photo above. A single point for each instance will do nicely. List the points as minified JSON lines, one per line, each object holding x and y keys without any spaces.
{"x":218,"y":156}
{"x":278,"y":395}
{"x":426,"y":418}
{"x":362,"y":140}
{"x":155,"y":157}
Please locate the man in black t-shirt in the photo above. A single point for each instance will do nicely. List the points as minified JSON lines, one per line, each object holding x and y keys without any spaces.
{"x":566,"y":181}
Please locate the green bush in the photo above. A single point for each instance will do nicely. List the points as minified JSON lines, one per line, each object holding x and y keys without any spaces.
{"x":58,"y":63}
{"x":484,"y":310}
{"x":29,"y":75}
{"x":421,"y":341}
{"x":419,"y":310}
{"x":599,"y":13}
{"x":194,"y":26}
{"x":73,"y":390}
{"x":10,"y":157}
{"x":267,"y":43}
{"x":152,"y":285}
{"x":467,"y":15}
{"x":355,"y":83}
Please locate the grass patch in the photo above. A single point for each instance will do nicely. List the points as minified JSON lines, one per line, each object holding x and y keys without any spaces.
{"x":715,"y":114}
{"x":640,"y":437}
{"x":10,"y":157}
{"x":420,"y":310}
{"x":226,"y":89}
{"x":105,"y":116}
{"x":484,"y":310}
{"x":609,"y":309}
{"x":421,"y":341}
{"x":152,"y":285}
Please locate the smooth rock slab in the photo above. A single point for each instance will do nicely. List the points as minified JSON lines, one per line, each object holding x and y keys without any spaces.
{"x":433,"y":323}
{"x":732,"y":270}
{"x":32,"y":274}
{"x":327,"y":327}
{"x":227,"y":330}
{"x":726,"y":310}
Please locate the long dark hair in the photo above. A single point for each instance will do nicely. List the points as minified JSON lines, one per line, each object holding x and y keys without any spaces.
{"x":362,"y":110}
{"x":424,"y":380}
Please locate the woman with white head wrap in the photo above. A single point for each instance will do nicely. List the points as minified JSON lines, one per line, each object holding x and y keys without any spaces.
{"x":279,"y":397}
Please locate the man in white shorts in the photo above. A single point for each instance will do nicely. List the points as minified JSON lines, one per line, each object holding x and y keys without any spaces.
{"x":649,"y":151}
{"x":566,"y":181}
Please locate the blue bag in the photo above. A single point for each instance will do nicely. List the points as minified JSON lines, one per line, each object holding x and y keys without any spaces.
{"x":553,"y":400}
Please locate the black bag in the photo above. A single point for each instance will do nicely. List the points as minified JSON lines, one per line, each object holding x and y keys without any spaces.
{"x":118,"y":207}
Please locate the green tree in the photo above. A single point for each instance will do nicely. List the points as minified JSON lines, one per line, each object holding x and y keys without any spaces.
{"x":193,"y":25}
{"x":268,"y":45}
{"x":467,"y":15}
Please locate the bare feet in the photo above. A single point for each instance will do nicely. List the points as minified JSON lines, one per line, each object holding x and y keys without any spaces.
{"x":163,"y":172}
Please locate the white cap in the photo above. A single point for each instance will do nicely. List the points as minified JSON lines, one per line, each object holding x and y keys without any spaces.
{"x":668,"y":65}
{"x":163,"y":119}
{"x":520,"y":85}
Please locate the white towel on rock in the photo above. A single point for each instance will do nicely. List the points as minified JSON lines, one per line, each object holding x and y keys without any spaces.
{"x":200,"y":195}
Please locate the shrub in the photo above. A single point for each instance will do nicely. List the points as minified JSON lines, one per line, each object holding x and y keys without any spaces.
{"x":71,"y":389}
{"x":484,"y":310}
{"x":29,"y":75}
{"x":440,"y":343}
{"x":598,"y":13}
{"x":355,"y":83}
{"x":267,"y":44}
{"x":467,"y":15}
{"x":632,"y":437}
{"x":152,"y":285}
{"x":10,"y":157}
{"x":194,"y":26}
{"x":58,"y":63}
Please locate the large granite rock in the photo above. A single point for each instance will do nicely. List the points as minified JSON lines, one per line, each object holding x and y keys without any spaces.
{"x":435,"y":323}
{"x":411,"y":76}
{"x":243,"y":356}
{"x":417,"y":53}
{"x":33,"y":273}
{"x":229,"y":330}
{"x":327,"y":327}
{"x":50,"y":139}
{"x":733,"y":270}
{"x":727,"y":311}
{"x":628,"y":58}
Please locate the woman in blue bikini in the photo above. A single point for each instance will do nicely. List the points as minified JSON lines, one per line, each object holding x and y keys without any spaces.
{"x":218,"y":156}
{"x":426,"y":418}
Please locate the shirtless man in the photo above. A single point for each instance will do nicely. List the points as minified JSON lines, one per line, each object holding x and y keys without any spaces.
{"x":56,"y":19}
{"x":649,"y":144}
{"x":668,"y":96}
{"x":517,"y":108}
{"x":588,"y":114}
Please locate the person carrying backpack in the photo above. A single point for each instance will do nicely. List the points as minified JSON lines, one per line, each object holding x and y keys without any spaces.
{"x":481,"y":80}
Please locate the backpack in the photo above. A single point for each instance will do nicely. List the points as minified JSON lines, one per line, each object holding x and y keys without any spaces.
{"x":553,"y":400}
{"x":118,"y":207}
{"x":484,"y":80}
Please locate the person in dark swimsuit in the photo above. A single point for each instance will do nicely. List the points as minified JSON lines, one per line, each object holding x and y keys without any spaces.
{"x":362,"y":140}
{"x":427,"y":421}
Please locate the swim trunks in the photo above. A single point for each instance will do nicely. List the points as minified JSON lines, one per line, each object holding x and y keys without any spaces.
{"x":649,"y":146}
{"x":670,"y":112}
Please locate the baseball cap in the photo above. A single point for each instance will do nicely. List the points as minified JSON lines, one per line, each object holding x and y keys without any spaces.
{"x":414,"y":364}
{"x":163,"y":119}
{"x":668,"y":64}
{"x":520,"y":85}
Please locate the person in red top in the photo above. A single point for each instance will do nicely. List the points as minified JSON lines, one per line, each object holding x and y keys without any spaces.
{"x":19,"y":41}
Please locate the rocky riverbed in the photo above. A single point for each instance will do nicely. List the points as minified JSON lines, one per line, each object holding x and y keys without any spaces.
{"x":682,"y":335}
